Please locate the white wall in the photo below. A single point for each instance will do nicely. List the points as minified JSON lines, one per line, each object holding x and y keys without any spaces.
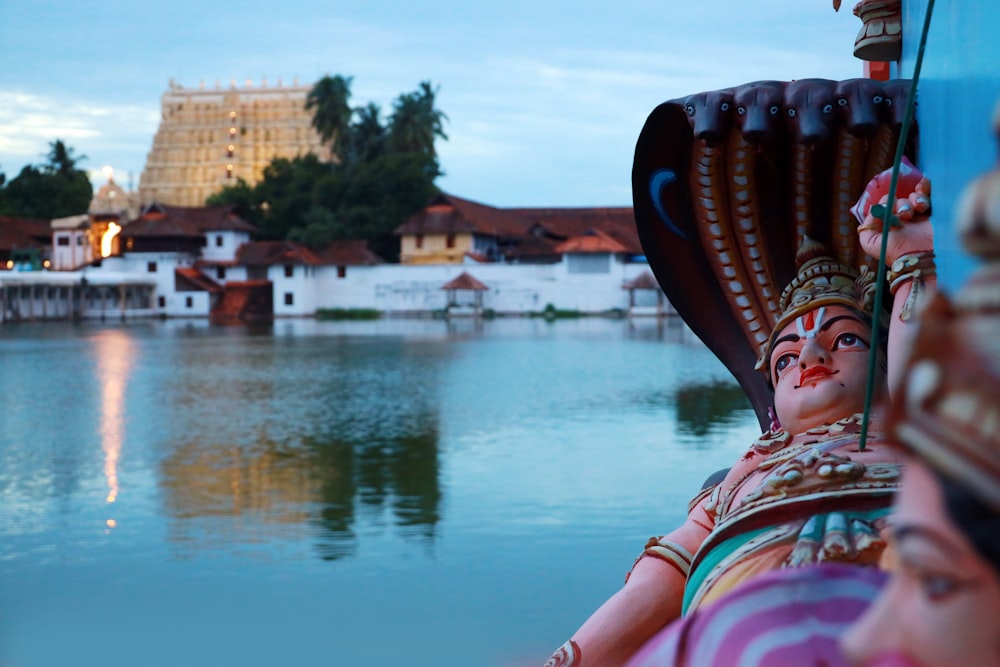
{"x":513,"y":288}
{"x":231,"y":240}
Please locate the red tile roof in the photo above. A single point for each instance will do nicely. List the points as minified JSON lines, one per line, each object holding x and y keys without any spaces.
{"x":163,"y":220}
{"x":464,"y":280}
{"x":448,"y":214}
{"x":193,"y":280}
{"x":591,"y":241}
{"x":269,"y":253}
{"x":24,"y":232}
{"x":349,"y":253}
{"x":644,"y":280}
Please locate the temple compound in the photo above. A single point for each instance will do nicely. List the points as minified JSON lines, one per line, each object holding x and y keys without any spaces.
{"x":210,"y":137}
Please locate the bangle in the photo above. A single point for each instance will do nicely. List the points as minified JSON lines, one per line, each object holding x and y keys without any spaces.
{"x":916,"y":267}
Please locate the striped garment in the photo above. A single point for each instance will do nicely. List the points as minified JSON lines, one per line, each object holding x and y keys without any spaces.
{"x":783,"y":618}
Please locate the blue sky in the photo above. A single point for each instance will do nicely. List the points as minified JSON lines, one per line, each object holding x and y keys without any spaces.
{"x":545,"y":99}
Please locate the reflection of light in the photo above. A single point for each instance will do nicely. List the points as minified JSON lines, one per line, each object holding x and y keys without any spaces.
{"x":113,"y":229}
{"x":111,"y":523}
{"x":114,"y":361}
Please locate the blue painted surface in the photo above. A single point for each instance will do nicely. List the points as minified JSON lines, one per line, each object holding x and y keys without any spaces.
{"x":958,"y":91}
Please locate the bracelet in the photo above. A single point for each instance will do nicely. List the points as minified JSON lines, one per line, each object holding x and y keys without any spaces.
{"x":916,"y":267}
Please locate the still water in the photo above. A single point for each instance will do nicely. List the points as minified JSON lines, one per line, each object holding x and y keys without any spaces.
{"x":313,"y":493}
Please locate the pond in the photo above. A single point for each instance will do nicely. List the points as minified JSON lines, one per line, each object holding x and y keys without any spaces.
{"x":415,"y":492}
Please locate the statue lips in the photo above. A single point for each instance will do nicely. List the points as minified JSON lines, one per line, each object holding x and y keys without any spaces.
{"x":814,"y":373}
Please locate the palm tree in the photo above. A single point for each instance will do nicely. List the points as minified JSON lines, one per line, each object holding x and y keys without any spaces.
{"x":332,"y":115}
{"x":415,"y":123}
{"x":365,"y":138}
{"x":61,"y":158}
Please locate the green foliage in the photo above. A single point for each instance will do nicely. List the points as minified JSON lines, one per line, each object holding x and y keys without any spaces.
{"x":347,"y":314}
{"x":383,"y":175}
{"x":55,"y":189}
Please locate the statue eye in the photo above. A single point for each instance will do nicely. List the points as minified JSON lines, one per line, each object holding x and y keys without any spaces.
{"x":690,"y":110}
{"x":741,"y":109}
{"x":842,"y":101}
{"x":849,"y":340}
{"x":827,"y":108}
{"x":888,"y":101}
{"x":877,"y":99}
{"x":774,"y":110}
{"x":725,"y":106}
{"x":784,"y":361}
{"x":791,"y":113}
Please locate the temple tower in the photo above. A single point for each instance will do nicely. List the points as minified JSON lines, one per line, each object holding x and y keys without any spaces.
{"x":209,"y":138}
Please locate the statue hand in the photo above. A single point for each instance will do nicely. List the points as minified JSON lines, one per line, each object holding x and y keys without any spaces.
{"x":914,"y":234}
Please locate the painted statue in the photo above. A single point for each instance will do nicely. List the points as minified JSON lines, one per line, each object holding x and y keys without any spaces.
{"x":941,"y":606}
{"x":802,"y":493}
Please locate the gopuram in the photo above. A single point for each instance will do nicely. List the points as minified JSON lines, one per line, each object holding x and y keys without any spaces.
{"x":210,"y":137}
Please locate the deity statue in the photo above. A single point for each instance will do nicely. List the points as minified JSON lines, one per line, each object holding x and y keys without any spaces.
{"x":942,"y":603}
{"x":804,"y":492}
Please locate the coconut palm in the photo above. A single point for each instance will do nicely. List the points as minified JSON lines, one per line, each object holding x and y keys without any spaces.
{"x":331,"y":112}
{"x":415,"y":123}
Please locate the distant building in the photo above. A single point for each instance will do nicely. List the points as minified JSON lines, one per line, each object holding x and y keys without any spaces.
{"x":452,"y":230}
{"x":209,"y":138}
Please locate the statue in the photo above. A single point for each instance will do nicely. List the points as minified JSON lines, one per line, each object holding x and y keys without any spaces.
{"x":941,"y":605}
{"x":803,"y":493}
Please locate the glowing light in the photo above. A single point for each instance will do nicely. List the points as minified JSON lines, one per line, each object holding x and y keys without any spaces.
{"x":46,"y":264}
{"x":111,"y":523}
{"x":113,"y":229}
{"x":114,"y":362}
{"x":10,"y":264}
{"x":107,"y":171}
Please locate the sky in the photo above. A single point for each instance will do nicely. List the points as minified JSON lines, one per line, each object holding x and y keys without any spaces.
{"x":544,"y":99}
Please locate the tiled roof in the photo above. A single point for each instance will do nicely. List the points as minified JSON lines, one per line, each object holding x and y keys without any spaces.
{"x":24,"y":232}
{"x":448,"y":214}
{"x":163,"y":220}
{"x":591,"y":241}
{"x":192,"y":280}
{"x":464,"y":280}
{"x":644,"y":280}
{"x":349,"y":253}
{"x":269,"y":253}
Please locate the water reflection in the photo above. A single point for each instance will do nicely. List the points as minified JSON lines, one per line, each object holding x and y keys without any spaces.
{"x":706,"y":406}
{"x":115,"y":353}
{"x":273,"y":490}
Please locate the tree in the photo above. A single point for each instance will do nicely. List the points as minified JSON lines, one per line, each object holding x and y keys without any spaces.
{"x":328,"y":100}
{"x":384,"y":173}
{"x":416,"y":123}
{"x":53,"y":190}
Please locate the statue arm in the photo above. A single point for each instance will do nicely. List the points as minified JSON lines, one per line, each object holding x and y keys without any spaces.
{"x":649,"y":600}
{"x":910,"y":266}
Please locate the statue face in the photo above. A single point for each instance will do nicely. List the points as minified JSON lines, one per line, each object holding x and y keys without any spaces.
{"x":942,"y":603}
{"x":819,"y":367}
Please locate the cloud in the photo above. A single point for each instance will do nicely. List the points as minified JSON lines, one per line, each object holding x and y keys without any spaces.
{"x":30,"y":122}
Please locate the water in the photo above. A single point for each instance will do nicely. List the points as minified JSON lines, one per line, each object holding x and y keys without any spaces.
{"x":369,"y":493}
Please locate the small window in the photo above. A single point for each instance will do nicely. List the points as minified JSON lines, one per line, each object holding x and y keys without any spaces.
{"x":341,"y":271}
{"x":188,"y":302}
{"x":289,"y":270}
{"x":220,"y":272}
{"x":419,"y":241}
{"x":289,"y":299}
{"x":79,"y":239}
{"x":62,"y":239}
{"x":151,"y":267}
{"x":450,"y":241}
{"x":218,"y":241}
{"x":161,"y":301}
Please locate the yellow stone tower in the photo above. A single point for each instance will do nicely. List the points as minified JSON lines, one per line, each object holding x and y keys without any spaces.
{"x":209,"y":138}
